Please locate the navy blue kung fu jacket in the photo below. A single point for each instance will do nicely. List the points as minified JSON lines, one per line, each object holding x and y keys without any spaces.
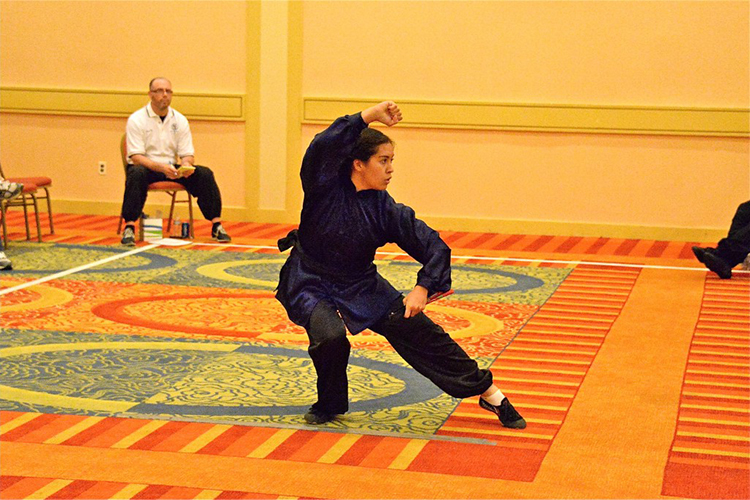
{"x":340,"y":229}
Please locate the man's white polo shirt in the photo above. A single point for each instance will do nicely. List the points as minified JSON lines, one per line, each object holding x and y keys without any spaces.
{"x":158,"y":141}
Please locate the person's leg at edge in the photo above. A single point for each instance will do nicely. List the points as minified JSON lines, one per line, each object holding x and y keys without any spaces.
{"x":329,"y":350}
{"x":731,"y":250}
{"x":202,"y":184}
{"x":137,"y":180}
{"x":5,"y":264}
{"x":734,"y":248}
{"x":433,"y":353}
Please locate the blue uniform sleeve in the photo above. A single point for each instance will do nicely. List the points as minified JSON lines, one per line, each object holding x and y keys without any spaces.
{"x":422,"y":243}
{"x":327,"y":152}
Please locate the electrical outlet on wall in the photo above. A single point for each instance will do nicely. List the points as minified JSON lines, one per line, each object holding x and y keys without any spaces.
{"x":102,"y":168}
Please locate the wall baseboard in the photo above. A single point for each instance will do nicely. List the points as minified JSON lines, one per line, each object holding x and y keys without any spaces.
{"x":583,"y":229}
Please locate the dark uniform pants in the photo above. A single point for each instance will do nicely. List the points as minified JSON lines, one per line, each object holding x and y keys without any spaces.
{"x":418,"y":340}
{"x":200,"y":184}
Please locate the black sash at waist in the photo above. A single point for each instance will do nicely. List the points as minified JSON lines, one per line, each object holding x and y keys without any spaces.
{"x":292,"y":240}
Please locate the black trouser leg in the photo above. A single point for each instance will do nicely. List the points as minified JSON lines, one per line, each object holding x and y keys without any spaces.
{"x":735,"y":247}
{"x":329,"y":351}
{"x":433,"y":353}
{"x":202,"y":185}
{"x":137,"y":179}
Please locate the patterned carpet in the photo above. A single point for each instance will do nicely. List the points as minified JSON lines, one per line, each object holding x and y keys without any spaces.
{"x":180,"y":356}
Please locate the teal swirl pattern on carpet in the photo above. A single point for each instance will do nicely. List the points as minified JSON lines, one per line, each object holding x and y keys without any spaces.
{"x":206,"y":381}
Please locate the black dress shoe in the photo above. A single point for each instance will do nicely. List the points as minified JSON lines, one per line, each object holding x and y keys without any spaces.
{"x":317,"y":417}
{"x":713,"y":262}
{"x":700,"y":253}
{"x":508,"y":415}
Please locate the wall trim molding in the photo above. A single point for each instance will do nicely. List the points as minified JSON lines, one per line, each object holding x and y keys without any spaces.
{"x":98,"y":102}
{"x":603,"y":119}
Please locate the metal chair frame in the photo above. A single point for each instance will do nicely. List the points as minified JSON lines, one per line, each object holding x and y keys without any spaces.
{"x":33,"y":180}
{"x":172,"y":191}
{"x":26,"y":199}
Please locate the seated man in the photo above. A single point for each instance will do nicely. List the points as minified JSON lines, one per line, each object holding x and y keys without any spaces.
{"x":731,"y":250}
{"x":156,"y":135}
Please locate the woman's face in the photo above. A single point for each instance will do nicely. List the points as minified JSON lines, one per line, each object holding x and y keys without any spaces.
{"x":376,"y":173}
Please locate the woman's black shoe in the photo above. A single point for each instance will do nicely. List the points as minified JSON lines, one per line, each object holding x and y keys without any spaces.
{"x":508,"y":415}
{"x":317,"y":417}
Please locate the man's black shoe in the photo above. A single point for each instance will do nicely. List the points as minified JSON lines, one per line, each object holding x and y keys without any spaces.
{"x":700,"y":254}
{"x":508,"y":415}
{"x":317,"y":417}
{"x":713,"y":262}
{"x":128,"y":237}
{"x":220,"y":234}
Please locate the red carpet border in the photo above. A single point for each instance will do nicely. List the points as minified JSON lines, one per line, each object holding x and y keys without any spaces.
{"x":16,"y":487}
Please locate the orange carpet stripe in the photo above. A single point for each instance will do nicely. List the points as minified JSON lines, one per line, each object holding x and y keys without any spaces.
{"x":38,"y":422}
{"x":49,"y":429}
{"x":248,"y":440}
{"x":115,"y":433}
{"x":314,"y":449}
{"x":12,"y":487}
{"x":290,"y":445}
{"x":86,"y":435}
{"x":73,"y":490}
{"x":729,"y":464}
{"x":108,"y":489}
{"x":714,"y":416}
{"x":187,"y":435}
{"x":359,"y":450}
{"x":180,"y":492}
{"x":384,"y":453}
{"x":24,"y":488}
{"x":271,"y":443}
{"x":141,"y":432}
{"x":151,"y":440}
{"x":408,"y":454}
{"x":217,"y":440}
{"x":152,"y":491}
{"x":12,"y":420}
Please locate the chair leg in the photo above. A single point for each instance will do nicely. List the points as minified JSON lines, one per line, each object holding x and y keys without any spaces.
{"x":190,"y":212}
{"x":173,"y":194}
{"x":5,"y":226}
{"x":119,"y":225}
{"x":49,"y":212}
{"x":36,"y":215}
{"x":26,"y":216}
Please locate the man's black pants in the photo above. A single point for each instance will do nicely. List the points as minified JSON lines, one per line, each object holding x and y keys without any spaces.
{"x":200,"y":184}
{"x":735,"y":247}
{"x":418,"y":340}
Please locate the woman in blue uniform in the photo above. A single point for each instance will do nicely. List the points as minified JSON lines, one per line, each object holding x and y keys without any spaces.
{"x":330,"y":284}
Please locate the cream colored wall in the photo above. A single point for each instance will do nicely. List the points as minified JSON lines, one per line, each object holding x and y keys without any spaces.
{"x":684,"y":54}
{"x":275,"y":53}
{"x":680,"y":53}
{"x":115,"y":46}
